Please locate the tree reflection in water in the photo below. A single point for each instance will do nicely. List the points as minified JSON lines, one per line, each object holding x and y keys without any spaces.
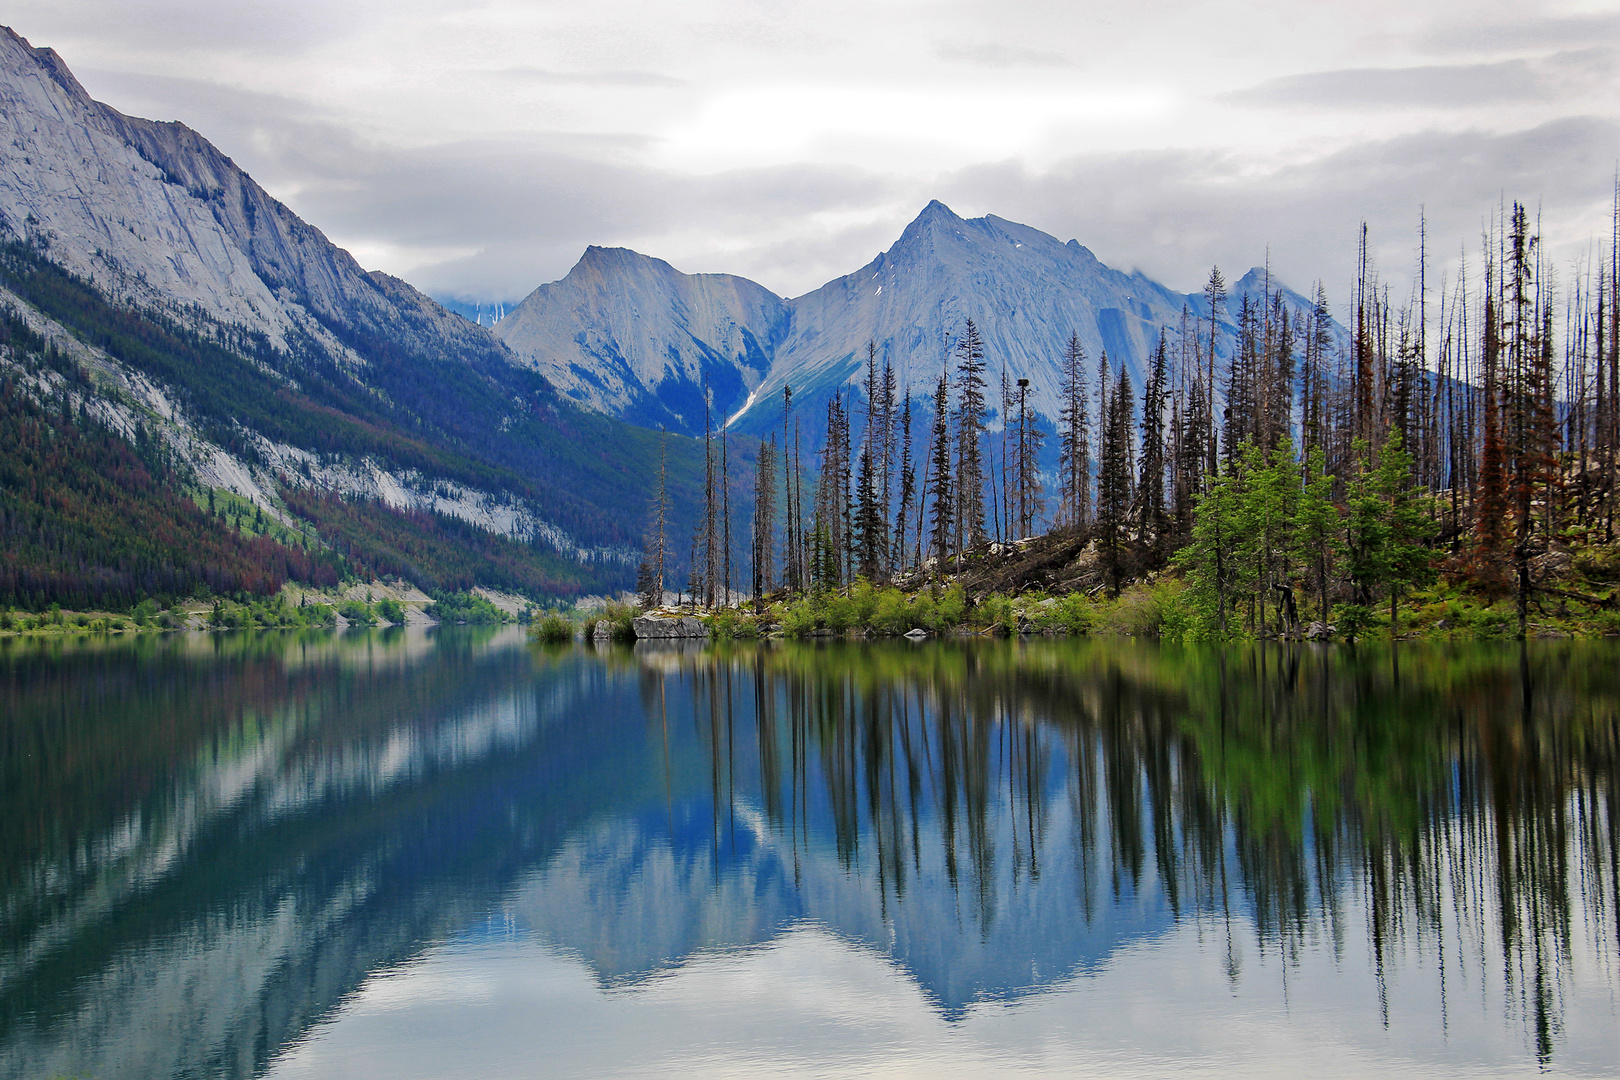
{"x":212,"y":842}
{"x":1466,"y":796}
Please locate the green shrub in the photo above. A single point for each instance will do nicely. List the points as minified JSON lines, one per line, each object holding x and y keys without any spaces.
{"x":839,"y":612}
{"x":468,"y":608}
{"x":1352,"y":620}
{"x":729,"y":623}
{"x":863,"y":603}
{"x":1139,"y":611}
{"x":357,"y":612}
{"x":623,"y":619}
{"x":798,"y":617}
{"x":924,"y":611}
{"x":995,"y":612}
{"x":391,"y":611}
{"x":951,"y":608}
{"x":552,"y":627}
{"x":892,"y":614}
{"x":1492,"y":624}
{"x":1175,"y":615}
{"x":1599,"y":563}
{"x":1076,"y":613}
{"x":8,"y":620}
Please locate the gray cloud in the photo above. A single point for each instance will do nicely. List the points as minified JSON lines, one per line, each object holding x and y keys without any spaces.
{"x":491,"y":217}
{"x":1471,"y":36}
{"x":528,"y":212}
{"x":1561,"y":75}
{"x":1173,"y":213}
{"x":546,"y":77}
{"x":994,"y":55}
{"x":520,"y":211}
{"x":265,"y":26}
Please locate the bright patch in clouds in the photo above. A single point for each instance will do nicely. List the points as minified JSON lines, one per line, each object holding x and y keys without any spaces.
{"x":892,"y":127}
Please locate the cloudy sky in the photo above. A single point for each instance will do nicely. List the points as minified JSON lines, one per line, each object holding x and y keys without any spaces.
{"x":475,"y":148}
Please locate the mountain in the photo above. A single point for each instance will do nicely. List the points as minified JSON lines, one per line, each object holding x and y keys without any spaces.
{"x":167,"y":296}
{"x":632,"y":336}
{"x":1026,"y":291}
{"x":615,"y":324}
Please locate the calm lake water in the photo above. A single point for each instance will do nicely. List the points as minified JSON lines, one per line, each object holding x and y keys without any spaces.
{"x":455,"y":854}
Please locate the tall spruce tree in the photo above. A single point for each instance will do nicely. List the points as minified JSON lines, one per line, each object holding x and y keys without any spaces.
{"x":1150,"y":485}
{"x":942,"y":520}
{"x":908,"y":490}
{"x":1114,"y":475}
{"x":1214,"y":301}
{"x":1074,"y":437}
{"x":762,"y":545}
{"x":970,"y":427}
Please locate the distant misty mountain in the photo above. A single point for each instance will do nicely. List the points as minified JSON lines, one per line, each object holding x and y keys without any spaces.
{"x":631,"y":336}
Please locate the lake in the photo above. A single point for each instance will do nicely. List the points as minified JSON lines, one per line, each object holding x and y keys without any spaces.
{"x":434,"y":853}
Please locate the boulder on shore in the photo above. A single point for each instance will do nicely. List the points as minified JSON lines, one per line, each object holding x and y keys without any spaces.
{"x":660,"y":627}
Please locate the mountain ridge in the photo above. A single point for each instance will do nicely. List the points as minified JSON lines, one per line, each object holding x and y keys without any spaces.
{"x":1026,"y":290}
{"x":221,"y":323}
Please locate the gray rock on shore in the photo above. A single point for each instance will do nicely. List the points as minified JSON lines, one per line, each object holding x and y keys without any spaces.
{"x":657,"y":627}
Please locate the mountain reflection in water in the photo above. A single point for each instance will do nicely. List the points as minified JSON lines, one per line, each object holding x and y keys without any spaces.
{"x":213,"y":843}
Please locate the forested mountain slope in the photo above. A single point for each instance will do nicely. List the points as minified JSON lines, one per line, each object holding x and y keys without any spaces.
{"x":210,"y":317}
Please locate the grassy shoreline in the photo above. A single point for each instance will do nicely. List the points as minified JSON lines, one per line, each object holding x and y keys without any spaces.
{"x":1446,"y":611}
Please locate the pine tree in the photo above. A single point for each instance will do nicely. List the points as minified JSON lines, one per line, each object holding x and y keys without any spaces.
{"x":833,"y":561}
{"x":656,"y":544}
{"x":1150,"y":485}
{"x":1270,"y":510}
{"x":725,"y":515}
{"x":1280,"y":392}
{"x":1408,"y":526}
{"x":970,"y":427}
{"x":764,"y":524}
{"x":1114,"y":481}
{"x":1211,"y":556}
{"x":1363,"y":417}
{"x":943,"y":518}
{"x":1491,"y":504}
{"x":1031,"y":495}
{"x":1214,"y":299}
{"x":871,"y":531}
{"x":710,"y":524}
{"x":793,"y":569}
{"x":1313,"y":375}
{"x":1192,"y":441}
{"x":1317,"y":527}
{"x":1074,"y":451}
{"x":1239,"y":420}
{"x":908,"y":490}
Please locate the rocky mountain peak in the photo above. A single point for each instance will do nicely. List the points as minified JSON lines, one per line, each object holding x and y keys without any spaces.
{"x":18,"y":57}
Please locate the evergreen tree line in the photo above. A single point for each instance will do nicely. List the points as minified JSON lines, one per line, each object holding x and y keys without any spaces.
{"x":1288,"y":468}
